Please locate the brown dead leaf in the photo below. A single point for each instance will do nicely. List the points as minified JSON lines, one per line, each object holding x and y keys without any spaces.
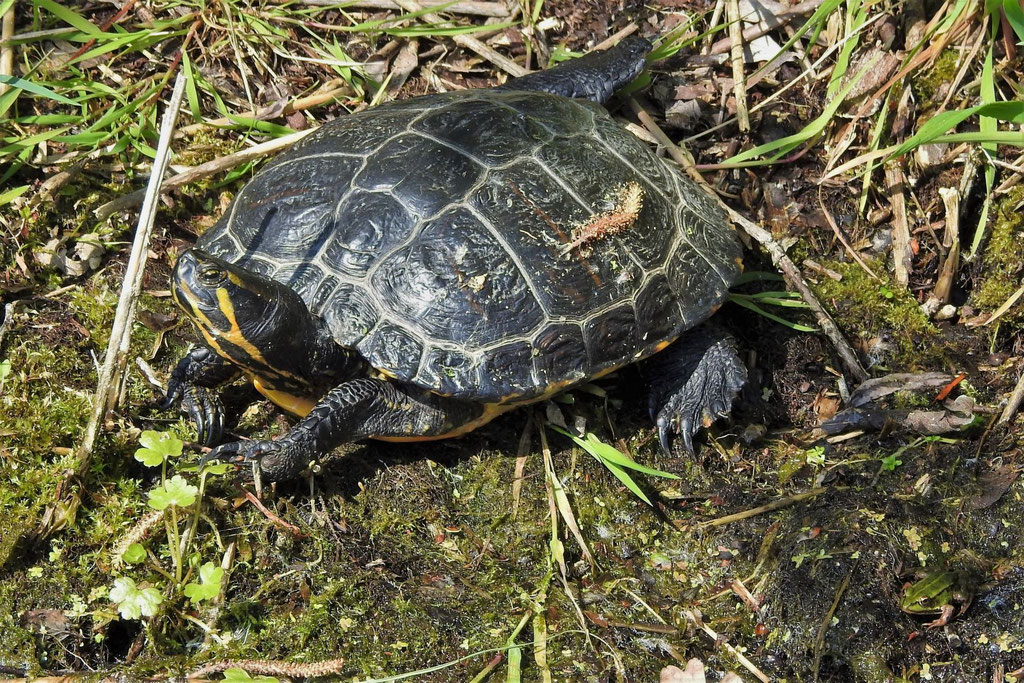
{"x":994,"y":483}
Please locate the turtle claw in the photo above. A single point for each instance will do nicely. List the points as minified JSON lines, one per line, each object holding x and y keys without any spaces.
{"x":205,"y":409}
{"x":277,"y":460}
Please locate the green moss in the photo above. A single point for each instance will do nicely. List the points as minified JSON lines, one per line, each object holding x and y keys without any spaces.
{"x":1003,"y":257}
{"x":894,"y":333}
{"x":926,"y":85}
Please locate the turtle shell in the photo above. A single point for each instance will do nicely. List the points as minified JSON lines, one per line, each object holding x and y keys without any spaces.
{"x":490,"y":245}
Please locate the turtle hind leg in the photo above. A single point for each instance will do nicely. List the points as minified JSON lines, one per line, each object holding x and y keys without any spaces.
{"x":592,"y":77}
{"x":692,"y":383}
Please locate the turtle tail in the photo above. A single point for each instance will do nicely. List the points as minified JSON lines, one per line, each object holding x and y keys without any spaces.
{"x":592,"y":77}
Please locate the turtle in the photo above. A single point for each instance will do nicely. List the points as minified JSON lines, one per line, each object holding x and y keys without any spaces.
{"x":413,"y":270}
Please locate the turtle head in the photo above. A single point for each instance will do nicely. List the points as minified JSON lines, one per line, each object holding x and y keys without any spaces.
{"x":253,"y":321}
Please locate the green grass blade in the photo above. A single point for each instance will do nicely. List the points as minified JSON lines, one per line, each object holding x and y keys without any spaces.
{"x":790,"y":142}
{"x":13,"y":193}
{"x":69,"y":16}
{"x":607,"y":453}
{"x":622,"y":476}
{"x":1015,"y":16}
{"x":855,"y":19}
{"x":34,"y":88}
{"x":746,"y":302}
{"x":940,"y":124}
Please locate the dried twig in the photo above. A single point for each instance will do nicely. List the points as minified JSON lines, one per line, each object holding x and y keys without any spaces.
{"x":1013,"y":405}
{"x":112,"y":371}
{"x":760,"y":510}
{"x":901,"y":227}
{"x":795,"y":280}
{"x":739,"y":78}
{"x":616,"y":37}
{"x":204,"y":170}
{"x":720,"y":641}
{"x":819,"y":642}
{"x":780,"y":19}
{"x":330,"y":92}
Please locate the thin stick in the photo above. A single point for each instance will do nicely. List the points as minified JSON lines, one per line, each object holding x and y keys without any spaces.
{"x":1015,"y":400}
{"x":615,"y":38}
{"x":795,"y":280}
{"x":819,"y":642}
{"x":521,"y":455}
{"x":300,"y":104}
{"x":116,"y":357}
{"x":7,"y":52}
{"x":760,"y":510}
{"x":213,"y":167}
{"x":721,"y":642}
{"x":482,"y":9}
{"x":901,"y":227}
{"x":739,"y":77}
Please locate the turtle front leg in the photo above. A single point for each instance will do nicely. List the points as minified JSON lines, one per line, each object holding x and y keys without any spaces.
{"x":357,"y":409}
{"x":192,"y":384}
{"x":692,"y":383}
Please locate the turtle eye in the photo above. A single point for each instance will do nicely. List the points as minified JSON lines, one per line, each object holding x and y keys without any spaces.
{"x":212,"y":276}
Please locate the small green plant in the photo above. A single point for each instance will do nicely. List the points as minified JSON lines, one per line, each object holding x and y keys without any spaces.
{"x":134,"y":602}
{"x":891,"y":462}
{"x":781,"y":299}
{"x":208,"y":586}
{"x":818,"y":554}
{"x":815,"y":455}
{"x":134,"y":554}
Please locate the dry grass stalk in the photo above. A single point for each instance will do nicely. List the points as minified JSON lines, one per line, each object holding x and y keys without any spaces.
{"x":761,"y":509}
{"x":139,"y":531}
{"x":951,"y":245}
{"x":112,"y":371}
{"x":201,"y":171}
{"x":894,"y":182}
{"x":7,"y":52}
{"x":720,"y":641}
{"x":330,"y":93}
{"x":738,"y":74}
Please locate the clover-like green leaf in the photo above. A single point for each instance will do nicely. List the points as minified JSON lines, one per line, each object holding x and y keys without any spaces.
{"x":208,"y":586}
{"x":134,"y":553}
{"x":157,"y":447}
{"x":175,"y":491}
{"x":134,"y":602}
